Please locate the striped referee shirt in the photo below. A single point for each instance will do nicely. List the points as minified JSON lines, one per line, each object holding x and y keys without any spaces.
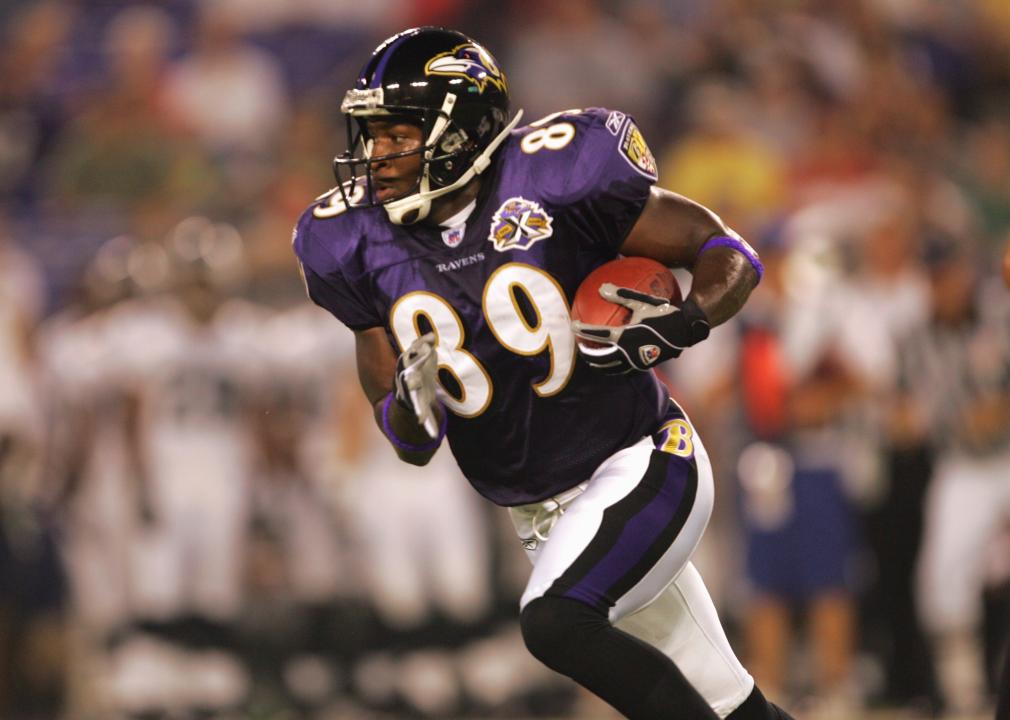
{"x":948,"y":369}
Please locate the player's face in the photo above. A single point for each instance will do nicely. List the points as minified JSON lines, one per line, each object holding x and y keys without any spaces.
{"x":394,"y":177}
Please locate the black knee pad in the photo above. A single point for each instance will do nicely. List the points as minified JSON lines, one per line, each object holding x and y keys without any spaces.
{"x":756,"y":707}
{"x":556,"y":629}
{"x":577,"y":640}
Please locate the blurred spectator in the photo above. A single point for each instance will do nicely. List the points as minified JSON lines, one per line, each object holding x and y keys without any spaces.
{"x":121,"y":157}
{"x":549,"y":67}
{"x":32,"y":102}
{"x":723,"y":166}
{"x":301,"y":171}
{"x":984,"y":175}
{"x":231,"y":95}
{"x":836,"y":158}
{"x":799,"y":384}
{"x":272,"y":14}
{"x":784,"y":103}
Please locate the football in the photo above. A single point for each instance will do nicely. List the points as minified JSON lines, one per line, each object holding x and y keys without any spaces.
{"x":637,"y":273}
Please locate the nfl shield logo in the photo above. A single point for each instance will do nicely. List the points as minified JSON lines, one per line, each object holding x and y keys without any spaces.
{"x":453,"y":236}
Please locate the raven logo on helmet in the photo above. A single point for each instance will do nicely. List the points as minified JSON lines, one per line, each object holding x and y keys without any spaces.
{"x":470,"y":62}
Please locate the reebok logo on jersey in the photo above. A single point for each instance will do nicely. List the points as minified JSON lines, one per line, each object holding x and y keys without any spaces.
{"x":637,"y":153}
{"x":519,"y":223}
{"x":615,"y":121}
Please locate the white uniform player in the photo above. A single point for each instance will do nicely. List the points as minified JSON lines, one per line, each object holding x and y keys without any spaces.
{"x":415,"y":561}
{"x":309,"y":385}
{"x":89,"y":423}
{"x":195,"y":381}
{"x":21,"y":301}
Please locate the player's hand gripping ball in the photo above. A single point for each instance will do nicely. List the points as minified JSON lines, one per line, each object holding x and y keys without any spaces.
{"x":628,"y":314}
{"x":641,"y":274}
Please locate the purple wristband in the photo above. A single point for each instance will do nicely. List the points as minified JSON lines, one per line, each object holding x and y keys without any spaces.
{"x":740,"y":246}
{"x":387,"y":428}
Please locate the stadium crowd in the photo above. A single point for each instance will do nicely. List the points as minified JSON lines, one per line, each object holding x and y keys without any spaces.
{"x":198,"y":517}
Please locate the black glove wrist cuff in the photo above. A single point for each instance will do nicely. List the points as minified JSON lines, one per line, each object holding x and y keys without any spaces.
{"x":696,"y":325}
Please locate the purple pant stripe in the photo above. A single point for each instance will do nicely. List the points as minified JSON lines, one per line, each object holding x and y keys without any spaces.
{"x":638,"y":536}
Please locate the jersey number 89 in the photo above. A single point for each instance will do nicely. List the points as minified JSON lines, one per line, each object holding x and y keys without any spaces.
{"x":547,"y":331}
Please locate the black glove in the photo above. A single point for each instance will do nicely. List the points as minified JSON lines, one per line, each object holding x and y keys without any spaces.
{"x":657,"y":331}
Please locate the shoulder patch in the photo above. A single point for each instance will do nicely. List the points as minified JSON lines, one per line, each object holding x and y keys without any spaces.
{"x":519,"y":223}
{"x":634,"y":149}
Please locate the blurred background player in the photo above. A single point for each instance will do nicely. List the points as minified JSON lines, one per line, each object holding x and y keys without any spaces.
{"x":33,"y":629}
{"x":962,"y":355}
{"x":305,"y":562}
{"x":189,"y":357}
{"x":96,"y":485}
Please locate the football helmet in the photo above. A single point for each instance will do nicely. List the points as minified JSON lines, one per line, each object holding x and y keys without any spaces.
{"x":448,"y":84}
{"x":207,"y":254}
{"x":106,"y":279}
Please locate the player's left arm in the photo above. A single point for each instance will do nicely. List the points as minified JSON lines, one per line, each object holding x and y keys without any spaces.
{"x":396,"y":409}
{"x":677,"y":232}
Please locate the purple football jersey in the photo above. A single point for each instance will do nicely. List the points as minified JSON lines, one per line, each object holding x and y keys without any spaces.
{"x":527,"y":419}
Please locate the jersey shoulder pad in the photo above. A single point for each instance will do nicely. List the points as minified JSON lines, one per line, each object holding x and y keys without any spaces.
{"x":572,"y":151}
{"x":327,"y":232}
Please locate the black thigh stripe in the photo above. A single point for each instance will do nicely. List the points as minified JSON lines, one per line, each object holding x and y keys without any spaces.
{"x":616,"y":518}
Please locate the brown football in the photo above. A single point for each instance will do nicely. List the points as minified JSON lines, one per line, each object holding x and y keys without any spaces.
{"x":637,"y":273}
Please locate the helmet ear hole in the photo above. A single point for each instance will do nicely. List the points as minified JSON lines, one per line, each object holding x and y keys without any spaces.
{"x":452,"y":140}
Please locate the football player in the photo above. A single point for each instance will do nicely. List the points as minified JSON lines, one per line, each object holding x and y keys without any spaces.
{"x":192,"y":367}
{"x":452,"y":245}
